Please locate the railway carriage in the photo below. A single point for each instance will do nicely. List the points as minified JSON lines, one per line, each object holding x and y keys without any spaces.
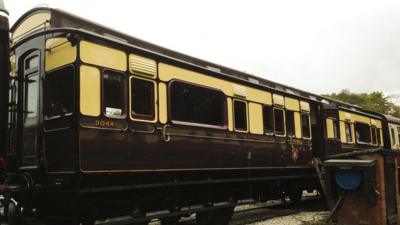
{"x":353,"y":130}
{"x":101,"y":124}
{"x":107,"y":122}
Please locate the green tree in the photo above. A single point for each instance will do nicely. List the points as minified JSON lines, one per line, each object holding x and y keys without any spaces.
{"x":375,"y":101}
{"x":396,"y":111}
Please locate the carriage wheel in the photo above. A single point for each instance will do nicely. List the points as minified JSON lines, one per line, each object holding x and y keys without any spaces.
{"x":295,"y":195}
{"x":170,"y":221}
{"x":216,"y":217}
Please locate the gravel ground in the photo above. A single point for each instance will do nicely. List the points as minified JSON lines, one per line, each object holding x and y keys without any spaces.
{"x":302,"y":218}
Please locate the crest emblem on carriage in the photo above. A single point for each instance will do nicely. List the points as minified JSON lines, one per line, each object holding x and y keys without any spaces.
{"x":295,"y":153}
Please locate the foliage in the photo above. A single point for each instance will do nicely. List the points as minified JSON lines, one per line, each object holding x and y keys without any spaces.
{"x":375,"y":101}
{"x":396,"y":111}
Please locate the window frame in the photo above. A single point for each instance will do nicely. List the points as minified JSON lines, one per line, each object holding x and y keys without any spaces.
{"x":30,"y":72}
{"x":379,"y":137}
{"x":284,"y":122}
{"x":31,"y":114}
{"x":178,"y":122}
{"x":351,"y":132}
{"x":398,"y":135}
{"x":234,"y":116}
{"x":335,"y":127}
{"x":29,"y":59}
{"x":73,"y":91}
{"x":102,"y":103}
{"x":355,"y":134}
{"x":141,"y":117}
{"x":393,"y":136}
{"x":287,"y":124}
{"x":271,"y":107}
{"x":309,"y":125}
{"x":374,"y":130}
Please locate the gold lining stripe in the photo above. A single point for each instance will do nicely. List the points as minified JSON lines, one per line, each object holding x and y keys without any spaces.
{"x":201,"y":169}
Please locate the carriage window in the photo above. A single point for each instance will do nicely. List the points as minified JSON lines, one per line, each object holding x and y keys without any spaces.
{"x":379,"y":136}
{"x":197,"y":105}
{"x":393,"y":136}
{"x":336,"y":129}
{"x":32,"y":95}
{"x":305,"y":125}
{"x":59,"y":92}
{"x":290,"y":126}
{"x":363,"y":133}
{"x":374,"y":134}
{"x":142,"y":99}
{"x":349,"y":137}
{"x":32,"y":62}
{"x":279,"y":118}
{"x":398,"y":135}
{"x":113,"y":94}
{"x":268,"y":119}
{"x":240,"y":111}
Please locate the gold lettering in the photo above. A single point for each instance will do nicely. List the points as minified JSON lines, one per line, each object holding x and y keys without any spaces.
{"x":104,"y":123}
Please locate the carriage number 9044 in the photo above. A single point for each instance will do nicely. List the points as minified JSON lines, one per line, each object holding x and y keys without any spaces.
{"x":104,"y":123}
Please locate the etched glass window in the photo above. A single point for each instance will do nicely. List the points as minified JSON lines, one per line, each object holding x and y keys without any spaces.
{"x":113,"y":94}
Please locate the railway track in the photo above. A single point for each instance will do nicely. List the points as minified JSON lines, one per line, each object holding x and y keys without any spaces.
{"x":258,"y":212}
{"x":276,"y":209}
{"x":246,"y":213}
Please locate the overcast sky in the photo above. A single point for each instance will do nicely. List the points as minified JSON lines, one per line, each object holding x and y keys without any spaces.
{"x":315,"y":45}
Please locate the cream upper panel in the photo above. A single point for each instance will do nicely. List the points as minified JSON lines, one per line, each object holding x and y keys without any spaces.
{"x":305,"y":106}
{"x":103,"y":56}
{"x":343,"y":116}
{"x":168,"y":72}
{"x":352,"y":117}
{"x":59,"y":52}
{"x":292,"y":104}
{"x":278,"y":100}
{"x":34,"y":22}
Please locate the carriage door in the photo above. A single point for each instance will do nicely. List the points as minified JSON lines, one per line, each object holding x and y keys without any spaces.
{"x":330,"y":124}
{"x":30,"y":116}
